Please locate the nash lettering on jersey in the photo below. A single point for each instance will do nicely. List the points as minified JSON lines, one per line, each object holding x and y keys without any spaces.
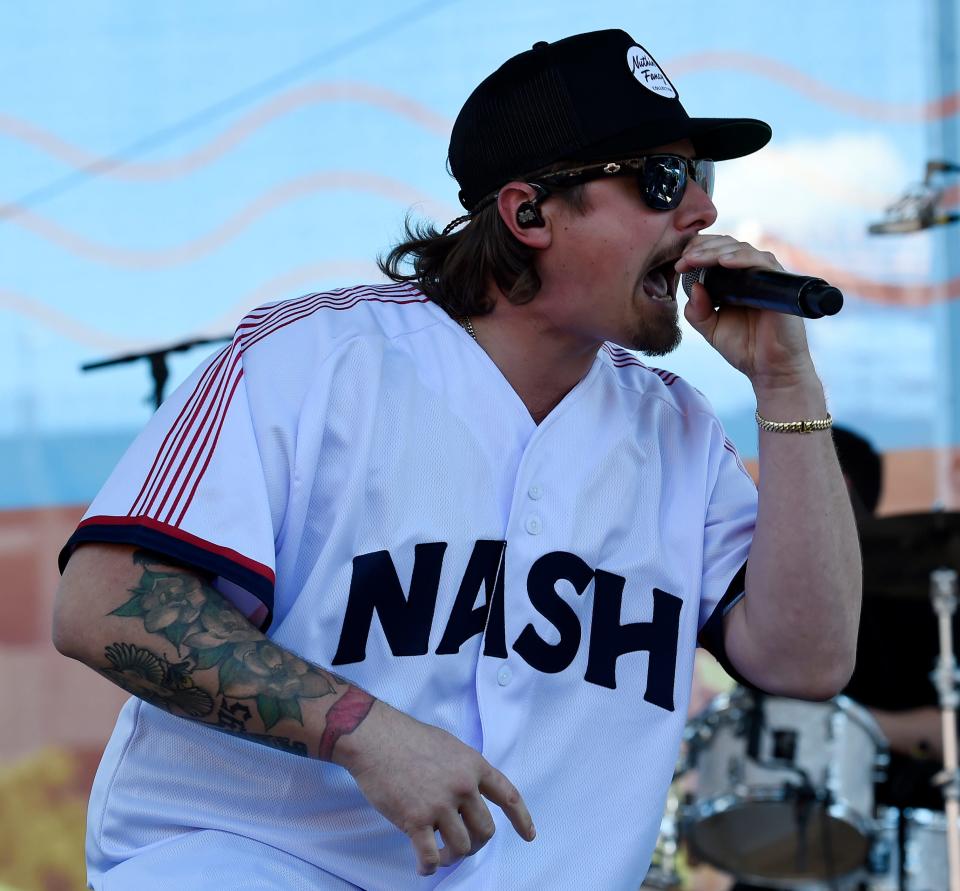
{"x":407,"y":619}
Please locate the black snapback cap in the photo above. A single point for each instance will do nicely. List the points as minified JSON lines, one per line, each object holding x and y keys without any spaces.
{"x":588,"y":97}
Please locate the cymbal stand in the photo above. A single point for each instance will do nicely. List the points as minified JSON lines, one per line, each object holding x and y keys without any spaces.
{"x":943,"y":594}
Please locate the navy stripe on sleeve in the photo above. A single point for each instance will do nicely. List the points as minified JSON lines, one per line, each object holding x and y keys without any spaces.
{"x":711,"y":634}
{"x":192,"y":552}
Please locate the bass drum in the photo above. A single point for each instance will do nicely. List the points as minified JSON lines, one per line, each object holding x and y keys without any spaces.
{"x":783,"y":790}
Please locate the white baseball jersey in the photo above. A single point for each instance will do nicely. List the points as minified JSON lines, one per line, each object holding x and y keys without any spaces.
{"x":368,"y":487}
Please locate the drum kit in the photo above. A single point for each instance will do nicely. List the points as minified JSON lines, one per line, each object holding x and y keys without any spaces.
{"x":780,"y":793}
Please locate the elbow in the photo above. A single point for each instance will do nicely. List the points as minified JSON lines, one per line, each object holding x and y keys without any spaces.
{"x":837,"y":682}
{"x":816,"y":686}
{"x":64,"y":637}
{"x":820,"y":691}
{"x":87,"y":593}
{"x":807,"y":674}
{"x":67,"y":631}
{"x":830,"y":675}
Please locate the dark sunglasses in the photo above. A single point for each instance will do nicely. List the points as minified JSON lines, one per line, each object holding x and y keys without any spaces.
{"x":662,"y":179}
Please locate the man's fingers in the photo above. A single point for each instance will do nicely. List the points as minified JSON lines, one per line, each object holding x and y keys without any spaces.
{"x":504,"y":794}
{"x":425,"y":847}
{"x":479,"y":822}
{"x":456,"y":839}
{"x":699,"y":309}
{"x":723,"y":250}
{"x":707,"y":241}
{"x":747,"y":256}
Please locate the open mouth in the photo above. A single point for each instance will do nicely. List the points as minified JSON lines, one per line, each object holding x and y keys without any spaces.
{"x":660,"y":282}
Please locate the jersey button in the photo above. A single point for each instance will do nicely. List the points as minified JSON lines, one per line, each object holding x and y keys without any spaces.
{"x":534,"y":525}
{"x":535,"y":492}
{"x":504,"y":675}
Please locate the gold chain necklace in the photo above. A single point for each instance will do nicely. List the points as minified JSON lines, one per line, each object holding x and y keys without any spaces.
{"x":467,"y":326}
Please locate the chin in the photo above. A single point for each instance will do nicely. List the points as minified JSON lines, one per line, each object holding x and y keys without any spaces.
{"x":656,"y":342}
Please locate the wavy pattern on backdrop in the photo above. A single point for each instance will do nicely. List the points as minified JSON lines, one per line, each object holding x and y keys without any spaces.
{"x":223,"y":233}
{"x":300,"y":97}
{"x":804,"y":262}
{"x":79,"y":331}
{"x":793,"y":257}
{"x":286,"y":103}
{"x":33,"y":136}
{"x":799,"y":81}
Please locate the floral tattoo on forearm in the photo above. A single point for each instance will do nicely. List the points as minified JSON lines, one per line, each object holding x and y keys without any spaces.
{"x":257,"y":679}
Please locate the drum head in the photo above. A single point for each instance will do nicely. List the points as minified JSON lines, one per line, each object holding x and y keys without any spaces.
{"x":762,"y":842}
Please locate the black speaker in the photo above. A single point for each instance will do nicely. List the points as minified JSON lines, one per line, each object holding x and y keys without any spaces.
{"x":528,"y":216}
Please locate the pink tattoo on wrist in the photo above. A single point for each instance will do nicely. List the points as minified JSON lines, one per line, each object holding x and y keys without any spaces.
{"x":344,"y":716}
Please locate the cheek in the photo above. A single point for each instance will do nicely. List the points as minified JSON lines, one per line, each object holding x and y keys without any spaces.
{"x":611,"y":254}
{"x":587,"y":256}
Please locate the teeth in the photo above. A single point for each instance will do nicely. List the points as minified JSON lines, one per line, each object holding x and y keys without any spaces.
{"x":655,"y":285}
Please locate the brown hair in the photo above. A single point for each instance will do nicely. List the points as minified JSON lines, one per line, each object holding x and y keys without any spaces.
{"x":455,"y":270}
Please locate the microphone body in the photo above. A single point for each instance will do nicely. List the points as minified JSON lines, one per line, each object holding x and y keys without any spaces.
{"x":799,"y":295}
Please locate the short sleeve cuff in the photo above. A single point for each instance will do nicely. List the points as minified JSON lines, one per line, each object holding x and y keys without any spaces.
{"x":711,"y":634}
{"x":249,"y":575}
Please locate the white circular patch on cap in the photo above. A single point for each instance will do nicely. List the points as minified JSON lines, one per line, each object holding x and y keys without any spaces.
{"x":649,"y":73}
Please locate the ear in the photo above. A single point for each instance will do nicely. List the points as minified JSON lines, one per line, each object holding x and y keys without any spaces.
{"x":510,"y":204}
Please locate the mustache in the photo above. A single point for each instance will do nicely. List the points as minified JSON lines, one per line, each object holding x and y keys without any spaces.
{"x":666,"y":255}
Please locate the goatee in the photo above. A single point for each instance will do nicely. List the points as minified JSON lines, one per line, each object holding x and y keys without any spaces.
{"x":657,"y":340}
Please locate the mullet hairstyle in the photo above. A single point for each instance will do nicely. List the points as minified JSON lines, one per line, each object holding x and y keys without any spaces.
{"x":455,"y":271}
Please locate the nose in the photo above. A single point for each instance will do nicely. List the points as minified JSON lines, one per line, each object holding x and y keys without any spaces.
{"x":696,"y":210}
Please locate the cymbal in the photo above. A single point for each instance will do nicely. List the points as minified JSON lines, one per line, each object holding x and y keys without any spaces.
{"x":900,"y":552}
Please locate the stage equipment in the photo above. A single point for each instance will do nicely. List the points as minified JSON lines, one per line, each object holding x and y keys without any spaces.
{"x":919,"y":207}
{"x":943,"y":594}
{"x":903,"y":557}
{"x":157,"y":360}
{"x":900,"y":552}
{"x":784,"y":787}
{"x":662,"y":874}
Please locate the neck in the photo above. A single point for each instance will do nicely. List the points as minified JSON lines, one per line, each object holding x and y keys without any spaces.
{"x":540,"y":362}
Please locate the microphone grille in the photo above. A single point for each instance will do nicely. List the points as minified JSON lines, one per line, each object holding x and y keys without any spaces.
{"x":691,"y":278}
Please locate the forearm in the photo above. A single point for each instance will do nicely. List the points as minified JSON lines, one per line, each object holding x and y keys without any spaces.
{"x":161,"y":633}
{"x":916,"y":732}
{"x":798,"y":623}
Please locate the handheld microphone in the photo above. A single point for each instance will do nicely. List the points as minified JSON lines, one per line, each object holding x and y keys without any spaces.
{"x":799,"y":295}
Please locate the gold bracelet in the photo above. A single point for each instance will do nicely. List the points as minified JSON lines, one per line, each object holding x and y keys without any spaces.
{"x":794,"y":426}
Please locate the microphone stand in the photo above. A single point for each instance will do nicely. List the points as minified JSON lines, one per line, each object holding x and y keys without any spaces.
{"x":156,"y":360}
{"x":943,"y":594}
